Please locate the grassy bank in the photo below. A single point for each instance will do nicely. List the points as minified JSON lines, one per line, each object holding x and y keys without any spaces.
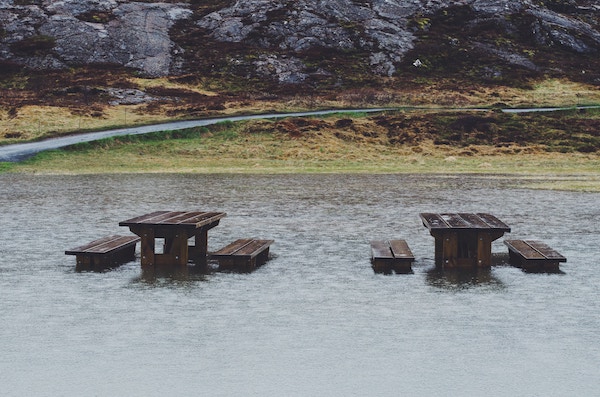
{"x":394,"y":143}
{"x":24,"y":117}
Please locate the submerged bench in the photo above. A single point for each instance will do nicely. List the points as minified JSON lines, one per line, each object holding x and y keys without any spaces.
{"x":391,"y":255}
{"x":106,"y":252}
{"x":243,"y":255}
{"x":533,"y":256}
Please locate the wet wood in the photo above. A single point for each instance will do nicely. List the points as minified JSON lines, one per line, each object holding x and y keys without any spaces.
{"x":176,"y":228}
{"x":478,"y":221}
{"x":103,"y":253}
{"x":243,"y":255}
{"x":463,"y":239}
{"x":389,"y":256}
{"x":534,"y":256}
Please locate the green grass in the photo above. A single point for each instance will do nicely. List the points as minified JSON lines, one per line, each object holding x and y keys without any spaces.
{"x":321,"y":145}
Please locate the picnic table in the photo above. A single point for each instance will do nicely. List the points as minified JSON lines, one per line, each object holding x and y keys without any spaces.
{"x":463,"y":239}
{"x":175,"y":228}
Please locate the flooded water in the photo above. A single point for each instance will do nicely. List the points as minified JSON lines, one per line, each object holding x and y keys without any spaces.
{"x":314,"y":320}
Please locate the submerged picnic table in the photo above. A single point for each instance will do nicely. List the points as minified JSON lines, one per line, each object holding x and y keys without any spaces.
{"x":463,"y":239}
{"x":176,"y":228}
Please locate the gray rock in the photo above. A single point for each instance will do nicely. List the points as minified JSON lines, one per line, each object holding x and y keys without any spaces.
{"x":285,"y":70}
{"x":556,"y":29}
{"x":122,"y":96}
{"x":78,"y":7}
{"x":136,"y":37}
{"x":337,"y":24}
{"x":137,"y":34}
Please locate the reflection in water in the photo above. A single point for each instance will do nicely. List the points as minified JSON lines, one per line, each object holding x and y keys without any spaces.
{"x":195,"y":271}
{"x":461,"y":279}
{"x":550,"y":269}
{"x":169,"y":277}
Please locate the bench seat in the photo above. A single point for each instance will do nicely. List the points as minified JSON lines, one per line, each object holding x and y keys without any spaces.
{"x":243,"y":255}
{"x":533,"y":256}
{"x":391,"y":255}
{"x":106,"y":252}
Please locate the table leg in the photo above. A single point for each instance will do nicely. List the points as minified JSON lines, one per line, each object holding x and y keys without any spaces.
{"x":175,"y":250}
{"x":484,"y":250}
{"x":147,"y":247}
{"x":180,"y":248}
{"x":439,"y":251}
{"x":450,"y":252}
{"x":199,"y":251}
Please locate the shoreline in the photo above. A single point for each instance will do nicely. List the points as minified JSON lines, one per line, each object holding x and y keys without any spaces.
{"x":447,"y":143}
{"x":578,"y":179}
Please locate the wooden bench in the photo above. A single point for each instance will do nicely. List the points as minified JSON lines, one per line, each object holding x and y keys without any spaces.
{"x":243,"y":255}
{"x":106,"y":252}
{"x":533,"y":256}
{"x":391,"y":255}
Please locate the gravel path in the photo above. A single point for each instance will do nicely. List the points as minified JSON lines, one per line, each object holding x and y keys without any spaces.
{"x":22,"y":151}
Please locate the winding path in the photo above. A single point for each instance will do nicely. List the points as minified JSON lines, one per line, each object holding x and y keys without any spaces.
{"x":22,"y":151}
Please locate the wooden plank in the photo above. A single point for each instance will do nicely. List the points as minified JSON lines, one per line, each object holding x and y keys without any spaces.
{"x":381,"y":249}
{"x":493,"y":222}
{"x":163,"y":218}
{"x":199,"y":218}
{"x":254,"y":248}
{"x":157,"y":218}
{"x":117,"y":243}
{"x":455,"y":221}
{"x":175,"y":218}
{"x":90,"y":245}
{"x":142,"y":218}
{"x":524,"y":249}
{"x":474,"y":221}
{"x":400,"y":249}
{"x":105,"y":245}
{"x":548,"y":252}
{"x":229,"y":249}
{"x":184,"y":218}
{"x":433,"y":221}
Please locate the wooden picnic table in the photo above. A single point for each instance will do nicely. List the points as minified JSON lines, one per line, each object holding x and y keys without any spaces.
{"x":176,"y":228}
{"x":463,"y":239}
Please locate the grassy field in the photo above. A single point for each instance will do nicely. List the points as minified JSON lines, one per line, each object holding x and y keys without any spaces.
{"x":558,"y":150}
{"x":334,"y":144}
{"x":23,"y":119}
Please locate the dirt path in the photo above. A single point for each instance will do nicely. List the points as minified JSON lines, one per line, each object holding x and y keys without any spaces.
{"x":22,"y":151}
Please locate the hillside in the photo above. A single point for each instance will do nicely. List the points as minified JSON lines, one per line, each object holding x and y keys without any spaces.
{"x":82,"y":59}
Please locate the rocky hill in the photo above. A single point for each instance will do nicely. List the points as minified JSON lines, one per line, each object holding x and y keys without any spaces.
{"x":323,"y":43}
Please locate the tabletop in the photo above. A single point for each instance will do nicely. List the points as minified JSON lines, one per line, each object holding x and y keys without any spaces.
{"x":175,"y":219}
{"x":464,"y":221}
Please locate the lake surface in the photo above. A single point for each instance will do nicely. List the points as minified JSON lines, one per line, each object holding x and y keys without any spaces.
{"x":314,"y":320}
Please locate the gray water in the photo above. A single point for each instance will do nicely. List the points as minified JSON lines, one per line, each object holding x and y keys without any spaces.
{"x":314,"y":320}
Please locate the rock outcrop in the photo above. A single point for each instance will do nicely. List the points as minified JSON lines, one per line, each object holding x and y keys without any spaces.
{"x":55,"y":34}
{"x":283,"y":34}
